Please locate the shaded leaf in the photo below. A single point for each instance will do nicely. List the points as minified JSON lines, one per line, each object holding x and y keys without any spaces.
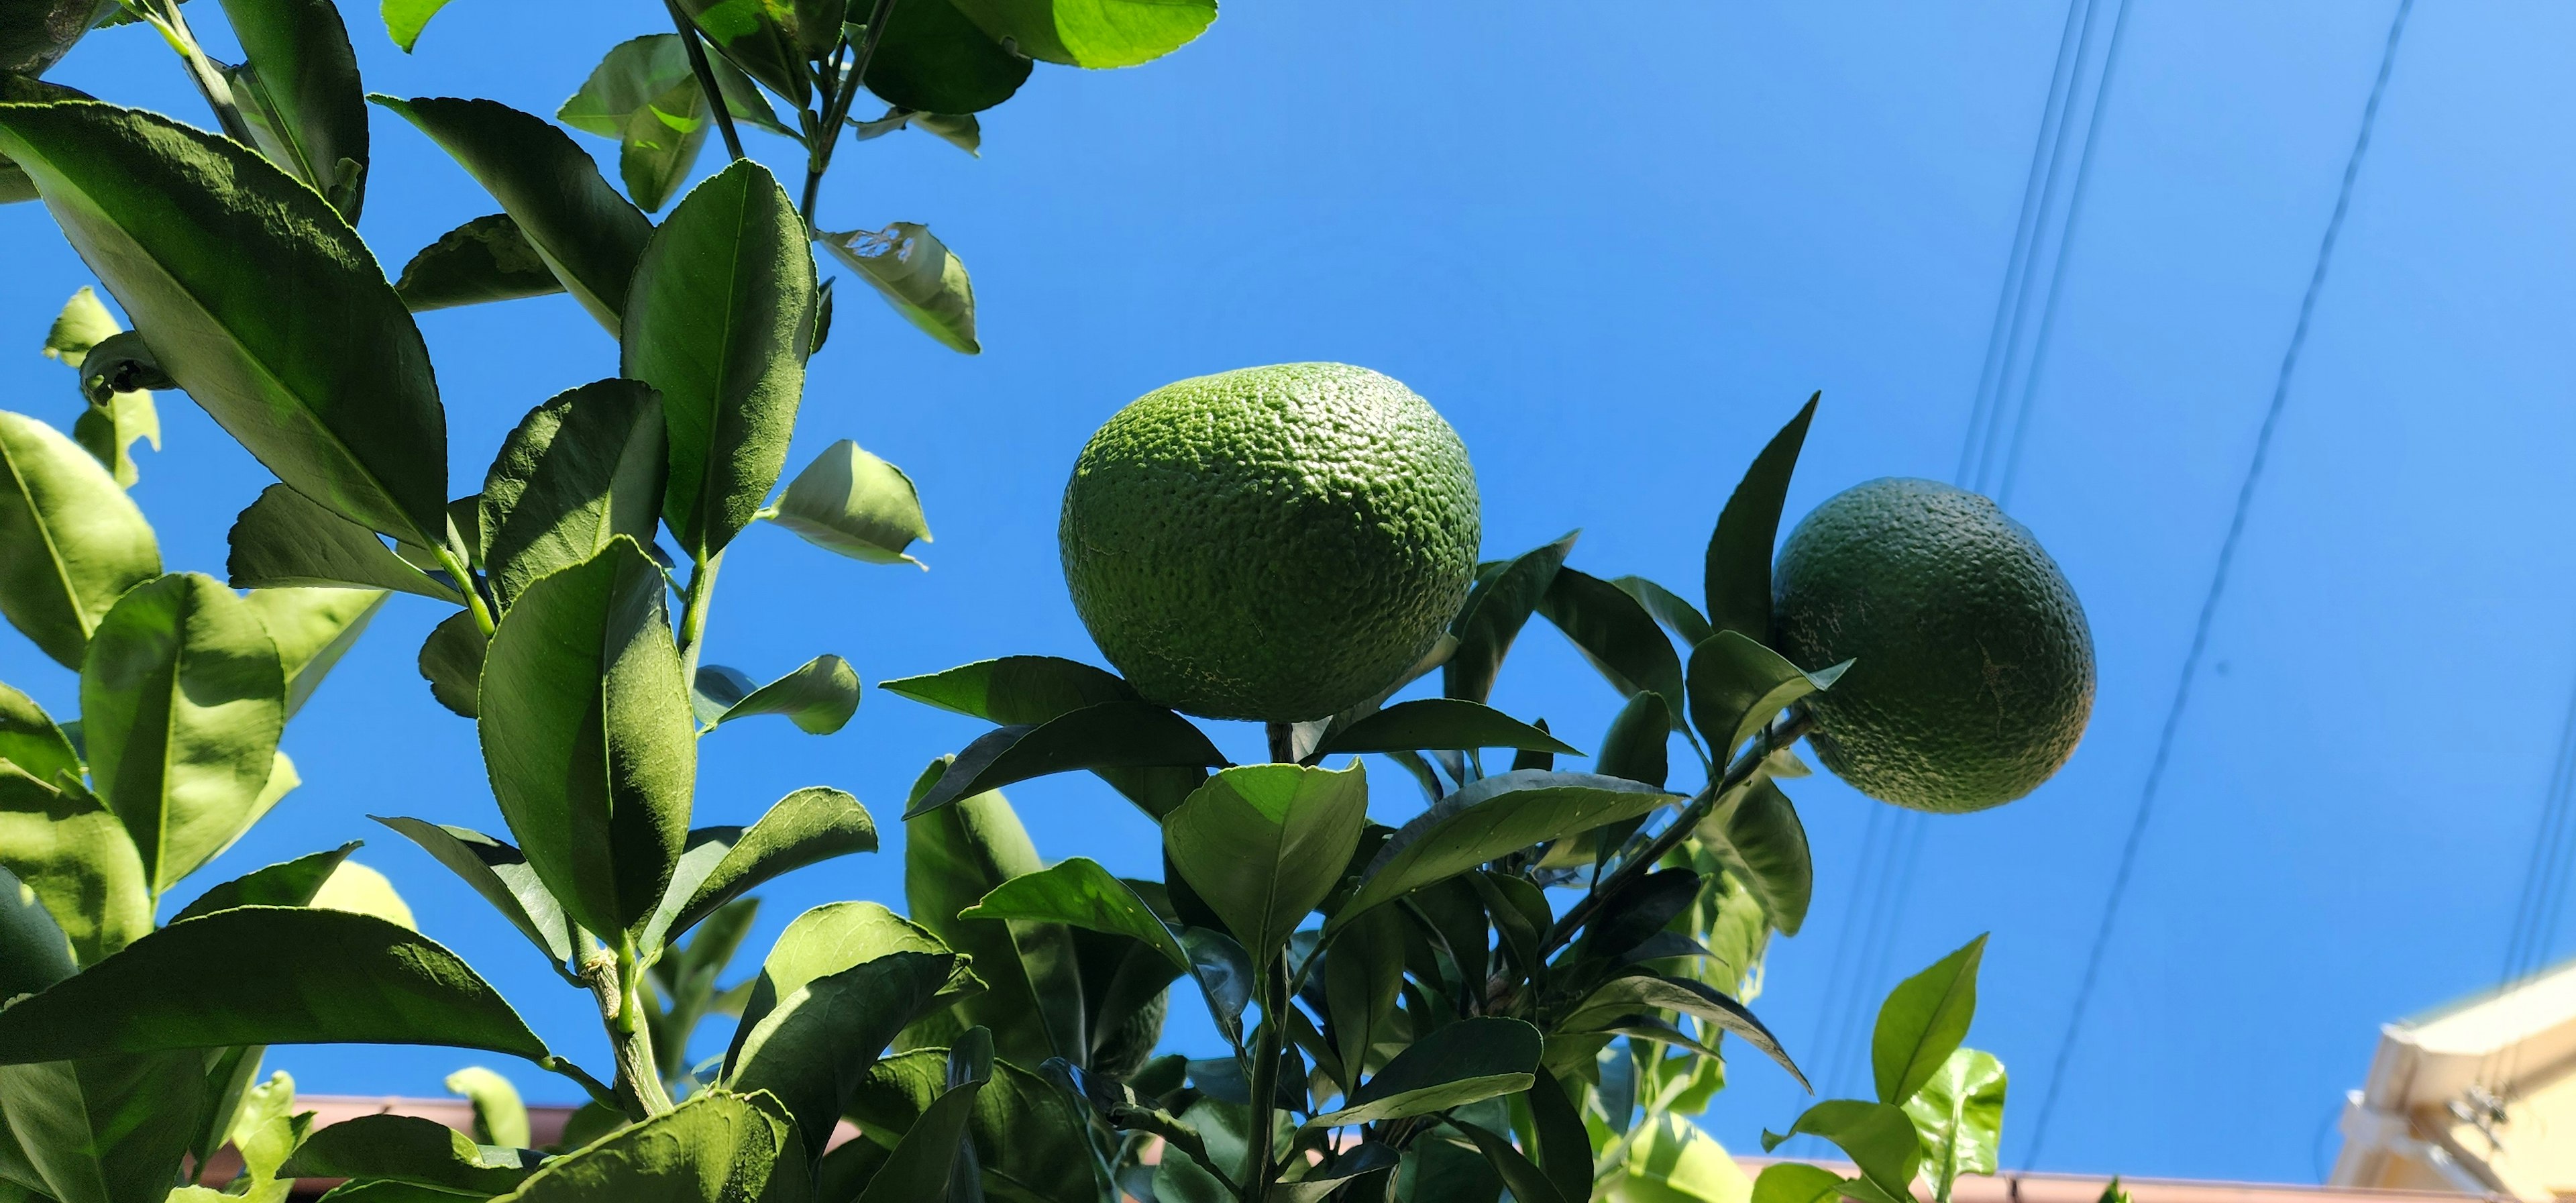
{"x":34,"y":952}
{"x":486,"y":259}
{"x":819,"y":696}
{"x":1033,"y":689}
{"x":1094,"y":33}
{"x":917,"y":274}
{"x":1616,"y":634}
{"x":1106,"y":735}
{"x":960,"y":130}
{"x":286,"y":883}
{"x":1757,"y":836}
{"x":502,"y":876}
{"x":581,"y":469}
{"x":1737,"y":685}
{"x":105,"y":1129}
{"x":853,"y":503}
{"x":809,"y":826}
{"x":75,"y":857}
{"x":1625,"y":995}
{"x":1678,"y":616}
{"x":1264,"y":844}
{"x":408,"y":1148}
{"x":812,"y":1048}
{"x":953,"y":857}
{"x":286,"y":541}
{"x":312,"y":629}
{"x":1504,"y":597}
{"x":303,"y":99}
{"x":758,"y":37}
{"x":451,"y":660}
{"x":1739,"y":550}
{"x":1492,"y":817}
{"x":1878,"y":1137}
{"x":1922,"y":1022}
{"x":1480,"y":1058}
{"x":30,"y":740}
{"x":934,"y":58}
{"x":71,"y":542}
{"x":1441,"y":723}
{"x":924,"y":1164}
{"x":1527,"y":1184}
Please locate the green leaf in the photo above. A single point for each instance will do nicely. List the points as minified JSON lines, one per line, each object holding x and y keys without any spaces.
{"x":1792,"y":1182}
{"x":502,"y":876}
{"x":1094,"y":33}
{"x":923,"y":1164}
{"x":1959,"y":1113}
{"x":1497,"y":815}
{"x":1922,"y":1022}
{"x":486,"y":259}
{"x":819,"y":696}
{"x":1739,"y":550}
{"x":1264,"y":844}
{"x":263,"y":1124}
{"x":1505,"y":596}
{"x":935,"y":59}
{"x":589,"y":237}
{"x":1107,"y":735}
{"x":758,"y":37}
{"x":1878,"y":1137}
{"x":1456,"y":1064}
{"x":313,"y":628}
{"x":953,"y":857}
{"x":643,"y":94}
{"x":108,"y":431}
{"x":1642,"y":991}
{"x":182,"y":700}
{"x":105,"y":1129}
{"x":327,"y":977}
{"x":1527,"y":1184}
{"x":853,"y":503}
{"x":1680,"y":617}
{"x":500,"y":1118}
{"x":1079,"y":893}
{"x":308,"y":111}
{"x":588,"y":738}
{"x":286,"y":541}
{"x":720,"y":319}
{"x":715,"y":1147}
{"x":1563,"y":1147}
{"x":581,"y":469}
{"x":404,"y":19}
{"x":838,"y":936}
{"x":34,"y":952}
{"x":1757,"y":836}
{"x":286,"y":883}
{"x":358,"y":889}
{"x":83,"y":323}
{"x":333,"y":391}
{"x":1616,"y":634}
{"x":71,"y":542}
{"x":1737,"y":685}
{"x":75,"y":856}
{"x":917,"y":274}
{"x":1669,"y":1152}
{"x":30,"y":740}
{"x":407,"y":1148}
{"x":1024,"y":690}
{"x":812,"y":1048}
{"x":1441,"y":723}
{"x":960,"y":130}
{"x":1363,"y":978}
{"x":812,"y":825}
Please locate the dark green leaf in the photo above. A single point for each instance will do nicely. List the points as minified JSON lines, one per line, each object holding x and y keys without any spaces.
{"x":285,"y":540}
{"x":589,"y":237}
{"x":407,"y":1148}
{"x":1505,"y":596}
{"x":1680,"y":617}
{"x":1564,"y":1147}
{"x":1028,"y":1139}
{"x":34,"y":952}
{"x":1441,"y":723}
{"x":1363,"y":975}
{"x":286,"y":883}
{"x":1527,"y":1183}
{"x":308,"y":111}
{"x":757,"y":36}
{"x":935,"y":59}
{"x":1757,"y":836}
{"x":923,"y":1164}
{"x":71,"y":542}
{"x":819,"y":697}
{"x":715,"y":1147}
{"x":182,"y":700}
{"x":1739,"y":550}
{"x":1350,"y":1164}
{"x":313,"y":628}
{"x":327,"y":977}
{"x":486,"y":259}
{"x":1107,"y":735}
{"x":1616,"y":634}
{"x":720,"y":317}
{"x":1644,"y":991}
{"x":1737,"y":685}
{"x":1094,"y":33}
{"x":1792,"y":1182}
{"x":581,"y":469}
{"x":1959,"y":1113}
{"x":502,"y":876}
{"x":1264,"y":844}
{"x":75,"y":856}
{"x":812,"y":1048}
{"x":30,"y":740}
{"x":588,"y":738}
{"x":332,"y":392}
{"x":917,"y":274}
{"x":812,"y":825}
{"x":953,"y":857}
{"x":1878,"y":1137}
{"x":1486,"y":820}
{"x":853,"y":503}
{"x":105,"y":1129}
{"x":1922,"y":1022}
{"x":1480,"y":1058}
{"x":1024,"y":690}
{"x":451,"y":660}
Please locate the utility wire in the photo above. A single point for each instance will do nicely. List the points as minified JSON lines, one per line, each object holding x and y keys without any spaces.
{"x":2227,"y":549}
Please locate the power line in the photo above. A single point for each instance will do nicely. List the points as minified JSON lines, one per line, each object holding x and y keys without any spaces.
{"x":2217,"y":587}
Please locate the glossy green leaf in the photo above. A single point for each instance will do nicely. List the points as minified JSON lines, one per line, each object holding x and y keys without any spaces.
{"x":500,"y":1117}
{"x":1441,"y":723}
{"x":715,"y":1147}
{"x":1757,"y":835}
{"x":1959,"y":1113}
{"x":1739,"y":550}
{"x":182,"y":701}
{"x":1498,"y":815}
{"x":71,"y":542}
{"x":286,"y":883}
{"x":853,"y":503}
{"x":1794,"y":1182}
{"x":502,"y":876}
{"x":408,"y":1148}
{"x":328,"y":977}
{"x":917,"y":274}
{"x":451,"y":660}
{"x":1093,"y":33}
{"x":313,"y":628}
{"x":953,"y":857}
{"x":30,"y":740}
{"x":486,"y":259}
{"x":581,"y":469}
{"x":1641,"y":991}
{"x":589,"y":237}
{"x":332,"y":392}
{"x":1737,"y":685}
{"x":588,"y":738}
{"x":1878,"y":1137}
{"x":105,"y":1129}
{"x":1616,"y":634}
{"x":721,"y":316}
{"x":1264,"y":844}
{"x":807,"y":827}
{"x":286,"y":541}
{"x":1107,"y":735}
{"x":1922,"y":1022}
{"x":935,"y":59}
{"x":308,"y":111}
{"x":1079,"y":893}
{"x":34,"y":952}
{"x":1505,"y":596}
{"x":1456,"y":1064}
{"x":68,"y":849}
{"x":404,"y":19}
{"x":819,"y":696}
{"x":811,"y":1049}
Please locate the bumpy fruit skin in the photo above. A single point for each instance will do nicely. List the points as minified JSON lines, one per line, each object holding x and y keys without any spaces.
{"x":1972,"y":672}
{"x":1272,"y":543}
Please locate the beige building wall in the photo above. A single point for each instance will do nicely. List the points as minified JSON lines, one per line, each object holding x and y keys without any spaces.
{"x":2478,"y":1097}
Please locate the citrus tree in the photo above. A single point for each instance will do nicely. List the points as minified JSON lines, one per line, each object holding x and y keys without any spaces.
{"x":1520,"y":984}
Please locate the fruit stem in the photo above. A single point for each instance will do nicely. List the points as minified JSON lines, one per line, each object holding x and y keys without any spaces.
{"x":1283,"y":742}
{"x":1780,"y":734}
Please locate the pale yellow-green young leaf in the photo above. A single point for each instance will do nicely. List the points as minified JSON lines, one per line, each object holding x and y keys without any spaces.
{"x":355,"y":887}
{"x":108,"y":432}
{"x":918,"y":275}
{"x":1669,"y":1160}
{"x":854,"y":503}
{"x":83,"y":323}
{"x":267,"y":1128}
{"x":404,"y":19}
{"x":500,"y":1117}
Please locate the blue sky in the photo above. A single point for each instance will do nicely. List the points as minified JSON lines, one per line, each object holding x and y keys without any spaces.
{"x":1617,"y":245}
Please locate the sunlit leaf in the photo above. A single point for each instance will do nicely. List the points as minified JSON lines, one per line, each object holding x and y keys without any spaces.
{"x":71,"y":542}
{"x":853,"y":503}
{"x":918,"y":275}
